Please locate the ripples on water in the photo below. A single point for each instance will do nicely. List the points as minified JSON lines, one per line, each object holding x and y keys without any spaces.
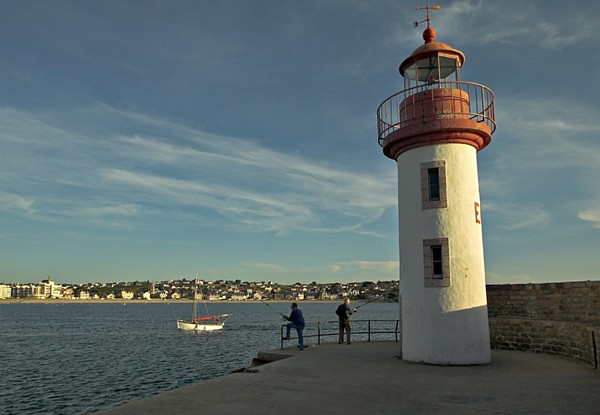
{"x":80,"y":358}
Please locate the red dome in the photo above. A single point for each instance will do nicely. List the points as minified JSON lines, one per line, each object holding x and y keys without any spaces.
{"x":429,"y":35}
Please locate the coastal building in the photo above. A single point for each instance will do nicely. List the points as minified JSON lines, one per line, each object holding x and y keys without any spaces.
{"x":238,"y":291}
{"x":126,"y":295}
{"x":434,"y":129}
{"x":48,"y":289}
{"x":5,"y":291}
{"x":22,"y":290}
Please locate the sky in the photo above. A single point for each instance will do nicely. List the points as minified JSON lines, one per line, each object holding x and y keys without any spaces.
{"x":156,"y":140}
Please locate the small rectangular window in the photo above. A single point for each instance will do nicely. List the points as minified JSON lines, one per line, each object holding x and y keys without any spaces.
{"x":433,"y":185}
{"x":433,"y":176}
{"x":436,"y":262}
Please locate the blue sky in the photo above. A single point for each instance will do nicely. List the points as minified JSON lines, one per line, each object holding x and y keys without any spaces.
{"x":145,"y":140}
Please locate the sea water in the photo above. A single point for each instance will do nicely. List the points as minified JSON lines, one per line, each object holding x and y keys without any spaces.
{"x":77,"y":358}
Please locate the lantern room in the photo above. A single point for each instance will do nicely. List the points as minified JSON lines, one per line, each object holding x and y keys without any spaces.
{"x":431,"y":63}
{"x":435,"y":106}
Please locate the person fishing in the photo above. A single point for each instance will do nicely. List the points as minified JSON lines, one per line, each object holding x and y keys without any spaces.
{"x":296,"y":321}
{"x":344,"y":312}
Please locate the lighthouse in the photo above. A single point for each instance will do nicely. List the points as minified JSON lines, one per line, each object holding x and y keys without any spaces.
{"x":434,"y":129}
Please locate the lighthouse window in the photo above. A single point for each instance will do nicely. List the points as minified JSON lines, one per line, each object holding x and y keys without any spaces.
{"x":449,"y":68}
{"x":432,"y":70}
{"x":433,"y":185}
{"x":436,"y":261}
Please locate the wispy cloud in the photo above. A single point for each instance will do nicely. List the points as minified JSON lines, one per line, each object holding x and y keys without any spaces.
{"x":13,"y":202}
{"x":515,"y":22}
{"x":592,"y":216}
{"x":267,"y":267}
{"x":515,"y":216}
{"x":250,"y":209}
{"x":164,"y":166}
{"x":116,"y":210}
{"x":542,"y":141}
{"x":496,"y":278}
{"x":383,"y":267}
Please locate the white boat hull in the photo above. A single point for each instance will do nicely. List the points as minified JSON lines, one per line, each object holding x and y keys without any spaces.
{"x":193,"y":326}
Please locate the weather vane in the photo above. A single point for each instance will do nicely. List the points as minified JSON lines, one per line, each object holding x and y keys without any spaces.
{"x":426,"y":8}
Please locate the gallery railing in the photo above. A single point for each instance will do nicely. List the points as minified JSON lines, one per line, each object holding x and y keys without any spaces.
{"x":369,"y":330}
{"x":455,"y":99}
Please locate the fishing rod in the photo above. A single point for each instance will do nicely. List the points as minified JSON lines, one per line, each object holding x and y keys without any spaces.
{"x":268,"y":305}
{"x":370,"y":301}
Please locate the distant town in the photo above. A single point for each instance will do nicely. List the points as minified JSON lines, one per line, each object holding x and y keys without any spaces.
{"x":183,"y":289}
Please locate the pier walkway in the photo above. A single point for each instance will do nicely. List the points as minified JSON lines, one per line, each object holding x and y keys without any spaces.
{"x":369,"y":378}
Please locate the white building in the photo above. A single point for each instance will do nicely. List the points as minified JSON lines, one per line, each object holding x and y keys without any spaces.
{"x":48,"y":289}
{"x":84,"y":295}
{"x":5,"y":291}
{"x":126,"y":295}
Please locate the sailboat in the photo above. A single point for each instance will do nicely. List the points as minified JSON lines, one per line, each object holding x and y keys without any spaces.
{"x":208,"y":323}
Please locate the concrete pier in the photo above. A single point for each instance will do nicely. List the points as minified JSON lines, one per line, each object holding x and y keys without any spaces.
{"x":369,"y":378}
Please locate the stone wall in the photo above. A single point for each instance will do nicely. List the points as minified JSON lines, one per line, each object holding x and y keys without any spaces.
{"x":558,"y":318}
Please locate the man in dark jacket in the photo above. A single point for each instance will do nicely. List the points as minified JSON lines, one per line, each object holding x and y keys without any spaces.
{"x":344,"y":312}
{"x":296,"y":321}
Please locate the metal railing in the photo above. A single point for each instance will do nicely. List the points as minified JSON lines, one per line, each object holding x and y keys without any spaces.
{"x":399,"y":109}
{"x":373,"y":329}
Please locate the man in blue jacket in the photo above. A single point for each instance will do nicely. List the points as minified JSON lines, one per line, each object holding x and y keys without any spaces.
{"x":296,"y":321}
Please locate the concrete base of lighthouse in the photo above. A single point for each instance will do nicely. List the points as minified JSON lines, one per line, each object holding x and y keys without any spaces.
{"x":463,"y":342}
{"x":444,"y":323}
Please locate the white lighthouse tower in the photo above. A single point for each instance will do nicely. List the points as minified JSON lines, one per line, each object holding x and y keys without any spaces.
{"x":434,"y":129}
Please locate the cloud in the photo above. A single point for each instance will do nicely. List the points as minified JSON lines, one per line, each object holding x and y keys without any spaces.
{"x":117,"y":210}
{"x":245,"y":178}
{"x":538,"y":143}
{"x":141,"y":164}
{"x":13,"y":202}
{"x":262,"y":266}
{"x":497,"y":278}
{"x":249,"y":209}
{"x":592,"y":216}
{"x":515,"y":23}
{"x":516,"y":216}
{"x":383,"y":267}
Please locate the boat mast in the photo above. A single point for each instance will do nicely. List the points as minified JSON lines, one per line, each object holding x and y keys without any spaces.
{"x":195,"y":295}
{"x":204,"y":301}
